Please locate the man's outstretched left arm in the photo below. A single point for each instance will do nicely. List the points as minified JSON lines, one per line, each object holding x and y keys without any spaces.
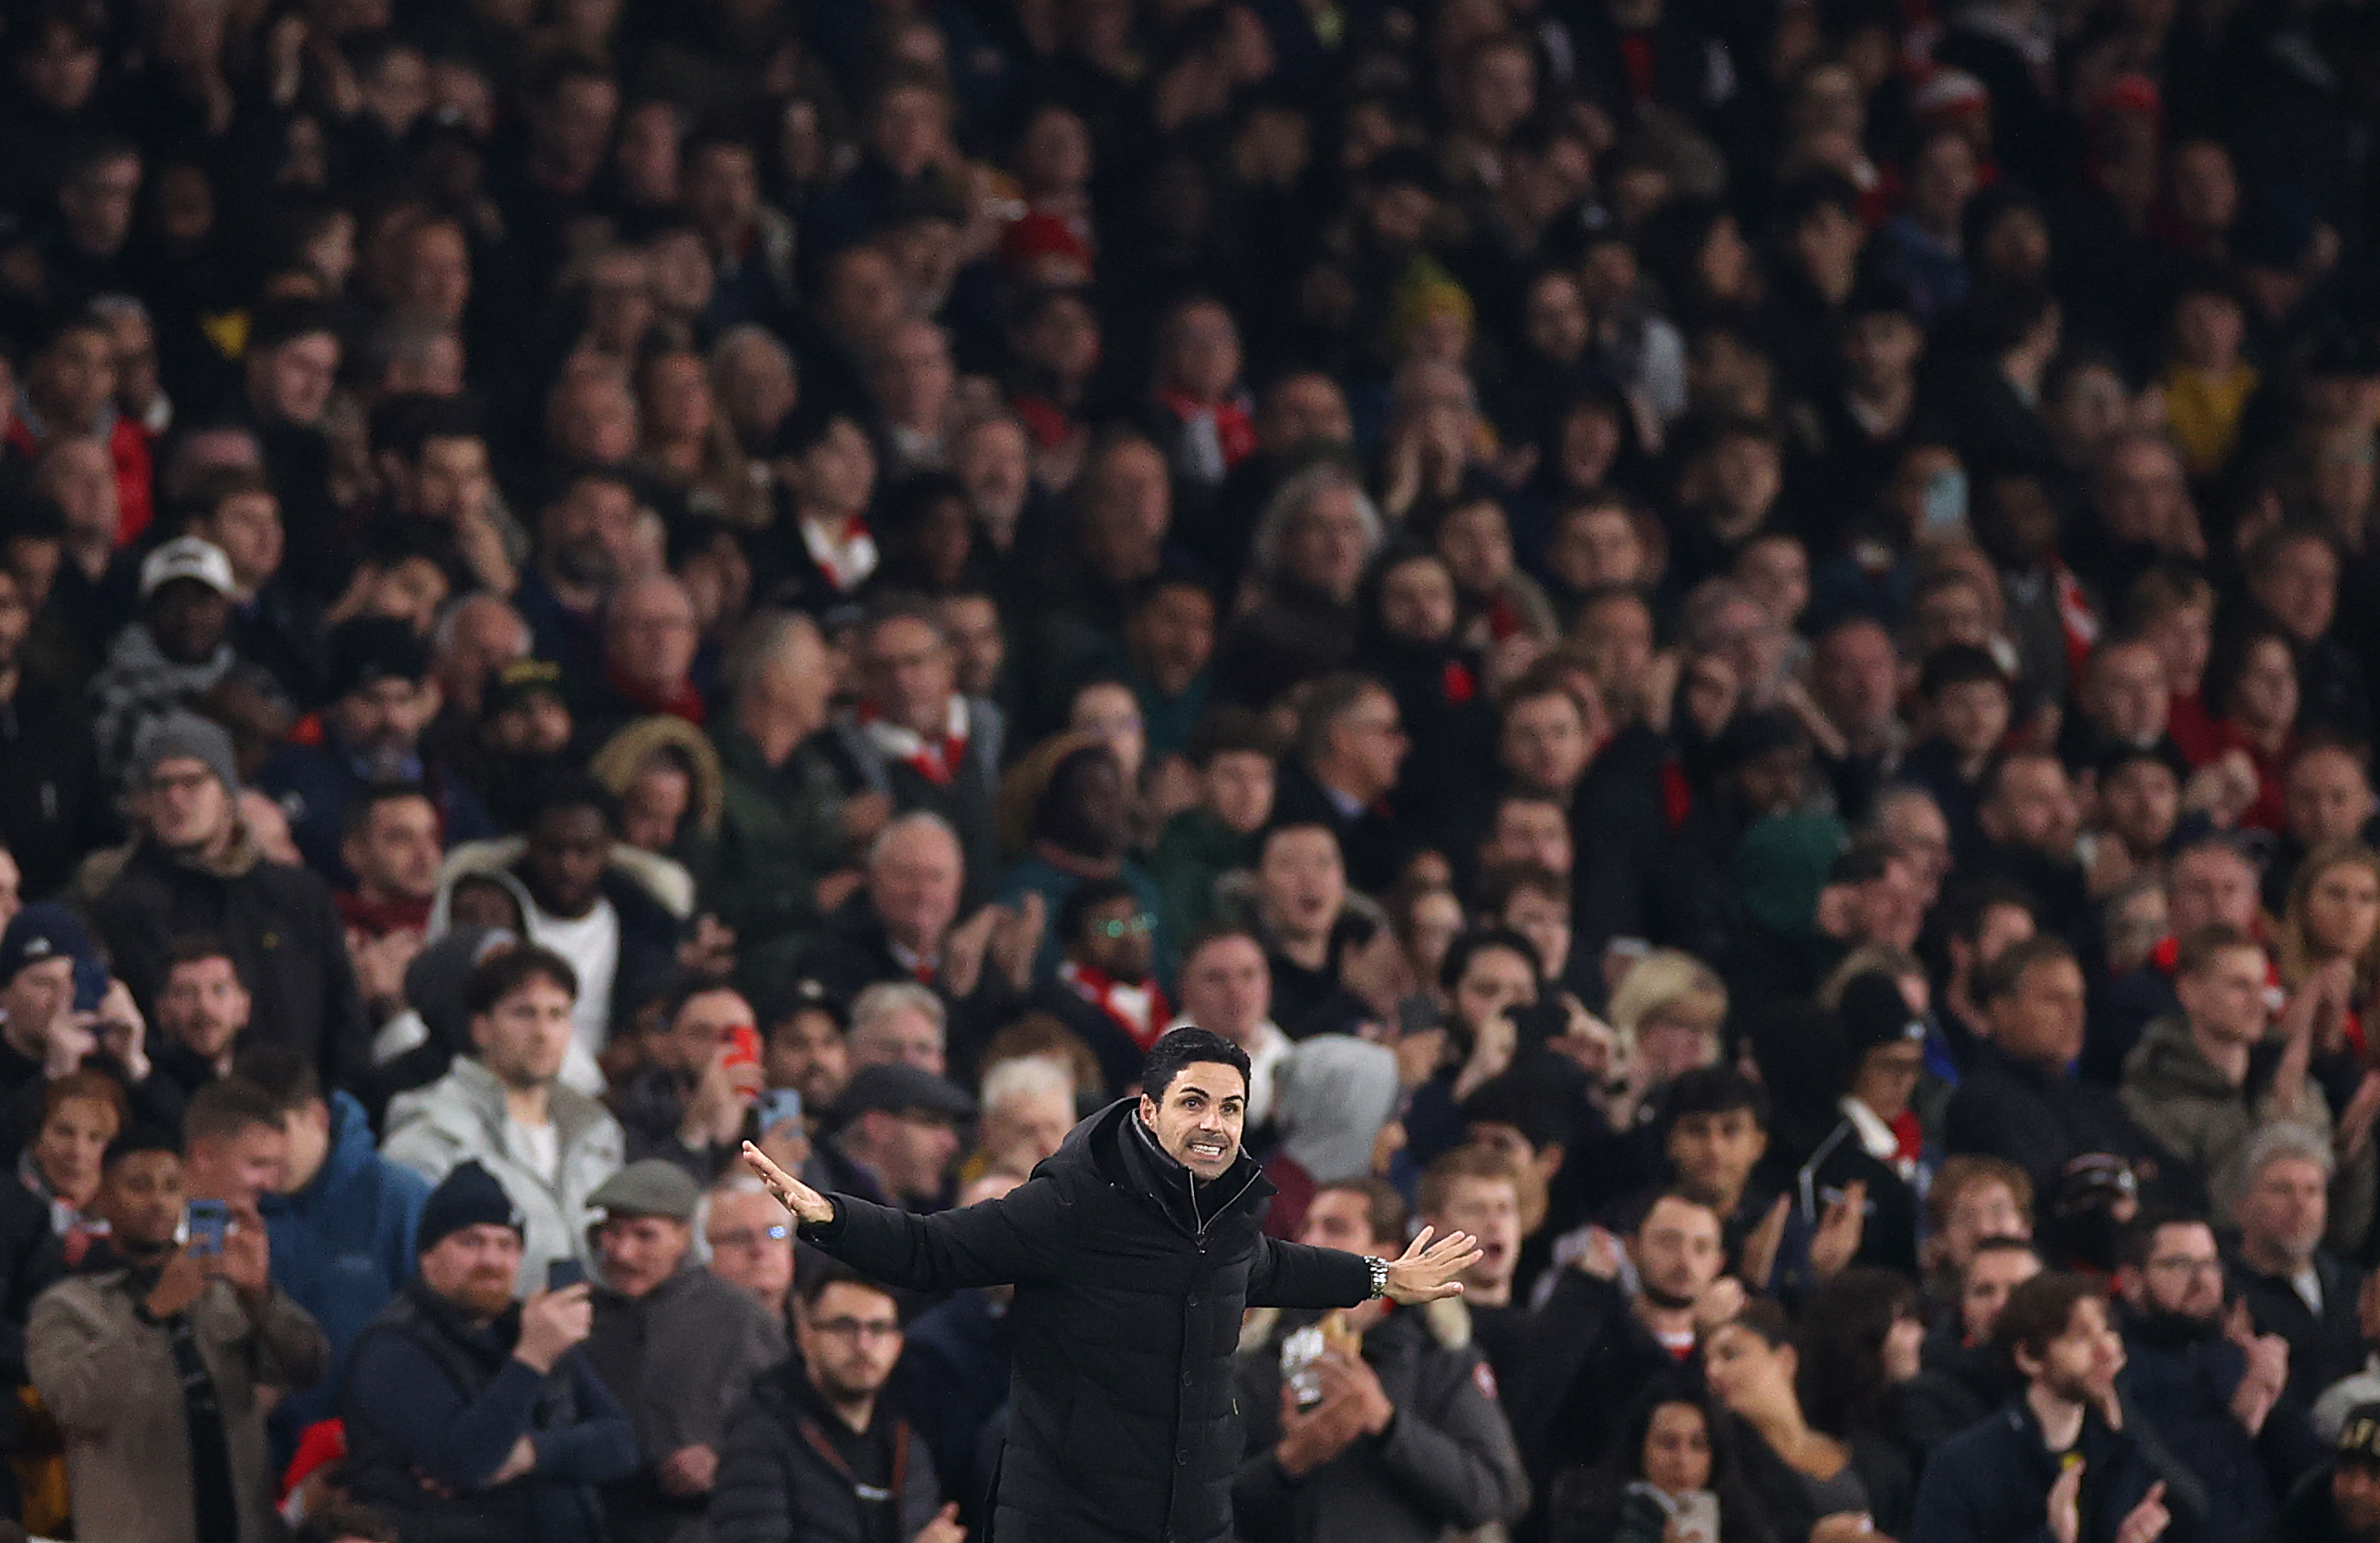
{"x":1297,"y":1275}
{"x":990,"y":1244}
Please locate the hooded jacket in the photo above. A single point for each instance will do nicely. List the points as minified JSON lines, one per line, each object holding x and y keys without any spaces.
{"x":2199,"y":1117}
{"x":342,"y":1247}
{"x":1130,"y":1281}
{"x":460,"y":1118}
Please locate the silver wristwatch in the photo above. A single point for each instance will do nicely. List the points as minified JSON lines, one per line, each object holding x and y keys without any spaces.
{"x":1380,"y":1269}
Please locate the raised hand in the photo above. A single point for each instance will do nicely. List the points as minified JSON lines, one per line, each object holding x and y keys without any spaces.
{"x":552,"y":1323}
{"x":2147,"y":1522}
{"x":1838,"y":1237}
{"x":944,"y":1529}
{"x":1424,"y":1272}
{"x":2066,"y":1504}
{"x":807,"y":1203}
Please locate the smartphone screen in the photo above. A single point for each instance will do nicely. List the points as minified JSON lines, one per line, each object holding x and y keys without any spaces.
{"x":90,"y":985}
{"x":203,"y":1225}
{"x":562,"y":1274}
{"x":776,"y":1107}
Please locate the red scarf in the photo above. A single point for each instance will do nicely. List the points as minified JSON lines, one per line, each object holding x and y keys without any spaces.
{"x":1140,"y":1010}
{"x":379,"y":920}
{"x":938,"y":760}
{"x":1236,"y":430}
{"x":685,"y":701}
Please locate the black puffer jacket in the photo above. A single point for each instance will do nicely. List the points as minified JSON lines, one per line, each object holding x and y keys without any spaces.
{"x":1121,"y":1424}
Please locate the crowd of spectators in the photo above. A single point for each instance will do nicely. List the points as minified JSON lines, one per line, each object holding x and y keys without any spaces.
{"x":1733,"y":639}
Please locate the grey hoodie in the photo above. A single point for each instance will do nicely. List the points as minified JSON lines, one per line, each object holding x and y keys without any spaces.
{"x":1332,"y":1095}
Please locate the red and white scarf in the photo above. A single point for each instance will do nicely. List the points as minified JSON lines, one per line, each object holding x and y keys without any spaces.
{"x":847,"y":559}
{"x":1140,"y":1010}
{"x":937,"y":760}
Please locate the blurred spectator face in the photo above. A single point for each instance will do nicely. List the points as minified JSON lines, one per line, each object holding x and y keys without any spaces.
{"x":2208,"y":331}
{"x":2182,"y":1277}
{"x":593,"y":419}
{"x":12,"y":888}
{"x":655,"y":803}
{"x":2129,"y":696}
{"x":475,"y":1269}
{"x":397,"y":852}
{"x":752,"y":1245}
{"x":994,"y":462}
{"x":2328,"y":796}
{"x":34,"y":996}
{"x":134,"y":344}
{"x":619,"y":300}
{"x":683,"y":280}
{"x":2342,"y":907}
{"x":1240,"y":788}
{"x":453,"y":481}
{"x":1972,"y":715}
{"x":523,"y":1038}
{"x":98,"y":202}
{"x":2033,"y":807}
{"x":61,"y":69}
{"x":836,"y":477}
{"x":1227,"y":987}
{"x":203,"y":1007}
{"x":1544,"y":743}
{"x":1201,"y":358}
{"x":1061,"y":339}
{"x":1590,"y":442}
{"x":2090,"y":403}
{"x":292,"y":382}
{"x":382,"y":721}
{"x":1857,"y":677}
{"x":1544,"y":920}
{"x":2298,"y":586}
{"x":2225,"y":999}
{"x":1053,"y":158}
{"x":1882,"y":347}
{"x":1753,"y":641}
{"x":1172,"y":637}
{"x":1530,"y":831}
{"x":2139,"y":805}
{"x":2205,"y":190}
{"x":1117,"y":939}
{"x":863,"y":298}
{"x":1956,"y":613}
{"x":1110,"y":715}
{"x":978,"y":647}
{"x":1715,"y":1153}
{"x":238,"y":1167}
{"x":2285,"y":1209}
{"x":1489,"y":1209}
{"x":539,"y":724}
{"x":2264,"y":697}
{"x":1325,"y":544}
{"x":248,"y":527}
{"x":910,"y":130}
{"x":79,"y":474}
{"x":436,"y":277}
{"x":1941,"y":182}
{"x":911,"y":1151}
{"x":1127,"y":506}
{"x":1677,"y":1252}
{"x":704,"y":1023}
{"x":1776,"y":571}
{"x":650,"y":635}
{"x":1985,"y":1207}
{"x":640,"y":1251}
{"x":1303,"y":410}
{"x":140,"y":1199}
{"x":1418,"y":601}
{"x":1477,"y":543}
{"x":914,"y":882}
{"x":1677,"y":1456}
{"x":574,"y":128}
{"x":1493,"y":982}
{"x":1500,"y":90}
{"x":677,"y":400}
{"x":188,"y":619}
{"x":2142,"y":495}
{"x":68,"y":1146}
{"x":2211,"y":885}
{"x":910,"y":675}
{"x":1301,"y":883}
{"x":1554,"y":319}
{"x":186,"y":806}
{"x":1367,"y":744}
{"x":753,"y":377}
{"x":849,"y":1338}
{"x":569,"y":846}
{"x":1679,"y":1036}
{"x":806,"y":1053}
{"x":1615,"y":638}
{"x":2355,"y":1496}
{"x":2040,"y":1022}
{"x":647,"y":156}
{"x":1985,"y":1285}
{"x":73,"y":380}
{"x":914,"y":377}
{"x":1028,"y":1128}
{"x":1340,"y":1219}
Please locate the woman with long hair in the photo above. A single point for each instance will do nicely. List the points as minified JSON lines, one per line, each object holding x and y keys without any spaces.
{"x":2328,"y":944}
{"x":1677,"y":1447}
{"x":1813,"y":1484}
{"x":1861,"y":1338}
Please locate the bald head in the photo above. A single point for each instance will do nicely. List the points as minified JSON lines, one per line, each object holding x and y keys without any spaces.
{"x":649,"y":635}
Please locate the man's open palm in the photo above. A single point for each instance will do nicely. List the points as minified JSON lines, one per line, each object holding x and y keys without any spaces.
{"x":1426,"y":1272}
{"x":807,"y":1203}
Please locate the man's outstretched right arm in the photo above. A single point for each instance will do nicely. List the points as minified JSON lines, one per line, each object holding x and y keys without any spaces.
{"x":990,"y":1244}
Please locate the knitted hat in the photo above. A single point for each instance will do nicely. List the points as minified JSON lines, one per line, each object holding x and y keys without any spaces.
{"x":183,"y":736}
{"x":469,"y":1197}
{"x":1875,"y":1013}
{"x":1781,"y":865}
{"x":42,"y":930}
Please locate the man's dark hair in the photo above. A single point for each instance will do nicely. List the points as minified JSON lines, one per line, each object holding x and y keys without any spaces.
{"x":1178,"y":1050}
{"x":2008,"y":970}
{"x":1331,"y":698}
{"x":281,"y":1073}
{"x":1995,"y":771}
{"x":358,"y":816}
{"x":191,"y":948}
{"x":689,"y":985}
{"x":507,"y":970}
{"x":570,"y":789}
{"x":2209,"y":943}
{"x":1384,"y":1209}
{"x":816,"y":1277}
{"x":224,"y":1108}
{"x":2137,"y":1241}
{"x":135,"y":1140}
{"x":1086,"y":897}
{"x":1720,"y":1090}
{"x":1957,"y":665}
{"x":1215,"y":932}
{"x":2039,"y":1310}
{"x":1229,"y":730}
{"x":1967,"y":904}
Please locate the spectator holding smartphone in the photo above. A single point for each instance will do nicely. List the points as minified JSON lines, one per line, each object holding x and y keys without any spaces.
{"x":469,"y":1413}
{"x":157,"y":1359}
{"x":688,"y":1104}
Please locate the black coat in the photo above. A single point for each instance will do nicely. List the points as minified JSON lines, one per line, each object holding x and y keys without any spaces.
{"x":1991,"y":1484}
{"x":283,"y":932}
{"x":2041,"y":1119}
{"x":1129,"y":1290}
{"x":776,"y":1484}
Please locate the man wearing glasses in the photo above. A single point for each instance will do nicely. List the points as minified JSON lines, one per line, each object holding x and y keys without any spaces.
{"x":751,"y":1244}
{"x":811,"y":1456}
{"x":1104,"y":990}
{"x":2201,"y":1381}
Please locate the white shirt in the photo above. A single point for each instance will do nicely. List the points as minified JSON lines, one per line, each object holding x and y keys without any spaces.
{"x":591,"y":943}
{"x":540,"y":1144}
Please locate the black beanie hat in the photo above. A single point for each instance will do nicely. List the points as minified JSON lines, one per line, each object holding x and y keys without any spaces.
{"x":470,"y":1197}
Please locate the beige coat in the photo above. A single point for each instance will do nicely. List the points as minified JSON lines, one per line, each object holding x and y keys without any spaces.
{"x":109,"y":1378}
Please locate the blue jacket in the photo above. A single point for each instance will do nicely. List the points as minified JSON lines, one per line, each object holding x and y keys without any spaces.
{"x":342,"y":1247}
{"x":1991,"y":1484}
